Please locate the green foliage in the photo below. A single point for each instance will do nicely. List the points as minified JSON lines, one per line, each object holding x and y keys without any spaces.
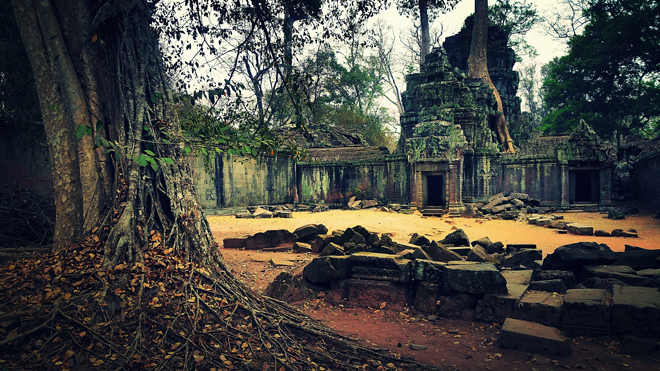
{"x":610,"y":77}
{"x":516,"y":18}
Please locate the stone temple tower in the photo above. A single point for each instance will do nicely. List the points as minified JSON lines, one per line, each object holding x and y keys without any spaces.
{"x":447,"y":127}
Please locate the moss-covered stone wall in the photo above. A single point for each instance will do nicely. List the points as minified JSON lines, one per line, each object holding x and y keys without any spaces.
{"x":241,"y":181}
{"x":386,"y":180}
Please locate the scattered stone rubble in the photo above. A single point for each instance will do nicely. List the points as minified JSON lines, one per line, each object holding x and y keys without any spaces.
{"x":285,"y":211}
{"x":582,"y":288}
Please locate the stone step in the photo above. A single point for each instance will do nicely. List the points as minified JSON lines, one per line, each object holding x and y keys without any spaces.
{"x":532,"y":337}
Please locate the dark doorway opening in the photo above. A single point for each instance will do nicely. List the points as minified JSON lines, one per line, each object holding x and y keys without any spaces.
{"x":435,"y":187}
{"x":584,"y":186}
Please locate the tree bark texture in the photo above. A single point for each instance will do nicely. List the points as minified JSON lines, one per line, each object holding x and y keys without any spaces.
{"x":477,"y":66}
{"x":44,"y":46}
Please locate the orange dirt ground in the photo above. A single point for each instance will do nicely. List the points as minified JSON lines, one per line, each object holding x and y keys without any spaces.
{"x":451,"y":343}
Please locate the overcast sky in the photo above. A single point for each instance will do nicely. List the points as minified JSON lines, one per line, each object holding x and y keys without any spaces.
{"x":546,"y":46}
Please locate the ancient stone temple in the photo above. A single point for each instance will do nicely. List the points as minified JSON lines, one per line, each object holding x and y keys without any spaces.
{"x":452,"y":151}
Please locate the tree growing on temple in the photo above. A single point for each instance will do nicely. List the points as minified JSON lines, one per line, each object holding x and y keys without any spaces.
{"x":477,"y":68}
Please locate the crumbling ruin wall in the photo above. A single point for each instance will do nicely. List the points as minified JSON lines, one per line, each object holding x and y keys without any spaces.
{"x":244,"y":181}
{"x":646,"y":176}
{"x":385,"y":179}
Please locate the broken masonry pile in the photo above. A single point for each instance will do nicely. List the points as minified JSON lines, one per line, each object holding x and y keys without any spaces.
{"x":582,"y":288}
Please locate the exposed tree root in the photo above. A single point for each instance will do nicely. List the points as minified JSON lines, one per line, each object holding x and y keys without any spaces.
{"x":165,"y":313}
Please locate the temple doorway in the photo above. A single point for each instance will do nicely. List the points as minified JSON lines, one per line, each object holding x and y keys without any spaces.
{"x":584,"y":187}
{"x":434,"y":190}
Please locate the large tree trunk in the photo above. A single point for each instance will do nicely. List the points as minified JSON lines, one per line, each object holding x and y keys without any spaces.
{"x":149,"y":288}
{"x":44,"y":45}
{"x":477,"y":66}
{"x":425,"y":46}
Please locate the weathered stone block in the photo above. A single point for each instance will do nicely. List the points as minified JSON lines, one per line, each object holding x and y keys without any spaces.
{"x":429,"y":271}
{"x":540,"y":307}
{"x":483,"y":242}
{"x":418,"y":240}
{"x":426,"y":297}
{"x":586,"y":312}
{"x":636,"y":311}
{"x":322,"y":269}
{"x":554,"y":285}
{"x":301,"y":247}
{"x":306,"y":232}
{"x":382,"y":267}
{"x":332,"y":249}
{"x":462,"y":251}
{"x":566,"y":276}
{"x":234,"y":243}
{"x":523,"y":257}
{"x":440,"y":253}
{"x":272,"y":238}
{"x":512,"y":248}
{"x":478,"y":254}
{"x":573,"y":256}
{"x":534,"y":338}
{"x":639,"y":259}
{"x":580,"y":229}
{"x":498,"y":307}
{"x":481,"y":278}
{"x":456,"y":238}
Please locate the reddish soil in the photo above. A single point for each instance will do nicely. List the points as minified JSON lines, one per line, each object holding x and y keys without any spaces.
{"x":451,"y":343}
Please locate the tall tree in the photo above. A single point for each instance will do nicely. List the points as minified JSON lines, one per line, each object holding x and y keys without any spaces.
{"x":425,"y":11}
{"x":149,"y":288}
{"x":516,"y":18}
{"x":477,"y":68}
{"x":611,"y":75}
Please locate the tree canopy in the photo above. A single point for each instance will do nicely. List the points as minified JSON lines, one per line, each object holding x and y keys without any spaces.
{"x":611,"y":74}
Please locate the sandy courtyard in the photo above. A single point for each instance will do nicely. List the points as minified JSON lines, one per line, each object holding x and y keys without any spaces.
{"x":451,"y":343}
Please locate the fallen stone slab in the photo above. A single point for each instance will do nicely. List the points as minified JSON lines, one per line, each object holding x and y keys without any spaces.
{"x":285,"y":214}
{"x":261,"y":212}
{"x":369,"y":203}
{"x":580,"y":229}
{"x":573,"y":256}
{"x":307,"y":232}
{"x":567,"y":277}
{"x":495,"y":248}
{"x":481,"y":278}
{"x":512,"y":248}
{"x":554,"y":285}
{"x":332,"y":249}
{"x":636,"y":310}
{"x":456,"y":238}
{"x":418,"y":240}
{"x":523,"y":257}
{"x":532,"y":337}
{"x":288,"y":287}
{"x":325,"y":269}
{"x":602,"y":233}
{"x":278,"y":262}
{"x":639,"y":259}
{"x":540,"y":306}
{"x":478,"y":254}
{"x":271,"y":238}
{"x":244,"y":216}
{"x":462,"y":251}
{"x":483,"y":242}
{"x":301,"y":248}
{"x":586,"y":312}
{"x":234,"y":242}
{"x":440,"y":253}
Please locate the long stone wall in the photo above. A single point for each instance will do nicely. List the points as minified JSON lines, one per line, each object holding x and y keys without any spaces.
{"x":541,"y":181}
{"x":386,"y":179}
